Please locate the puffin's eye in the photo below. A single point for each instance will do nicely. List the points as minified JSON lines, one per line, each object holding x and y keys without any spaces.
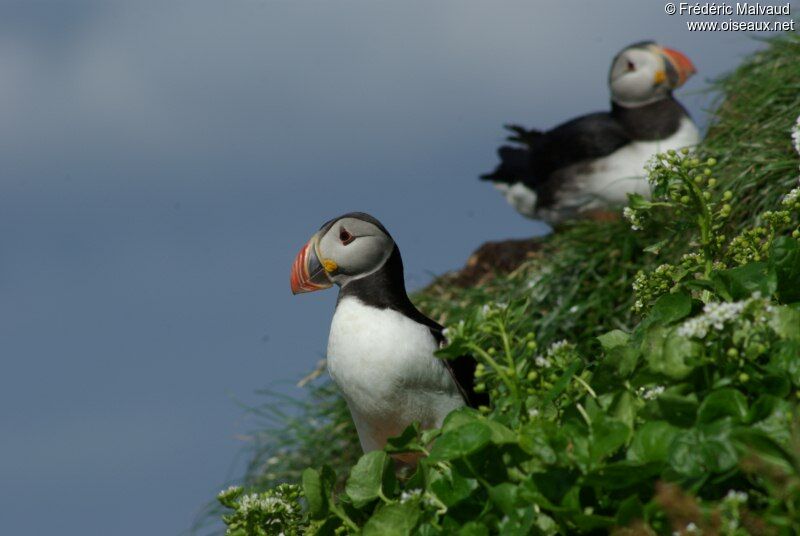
{"x":631,"y":66}
{"x":345,"y":236}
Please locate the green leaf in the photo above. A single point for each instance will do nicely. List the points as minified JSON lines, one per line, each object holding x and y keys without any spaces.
{"x":741,"y":282}
{"x":397,"y":519}
{"x":668,"y":353}
{"x":651,"y":442}
{"x":785,"y":359}
{"x":784,"y":259}
{"x":518,"y":522}
{"x":561,"y":383}
{"x":461,"y":441}
{"x":669,"y":308}
{"x":622,"y":474}
{"x":762,"y":408}
{"x":473,"y":528}
{"x":678,"y":410}
{"x":685,"y":456}
{"x":719,"y":454}
{"x":629,"y":510}
{"x":723,"y":403}
{"x":608,"y":435}
{"x":533,"y":440}
{"x":318,"y":486}
{"x":460,"y":417}
{"x":373,"y":473}
{"x":638,"y":202}
{"x":408,"y":441}
{"x":505,"y":497}
{"x":501,"y":435}
{"x":786,"y":323}
{"x":757,"y":442}
{"x":613,"y":339}
{"x":657,"y":247}
{"x":451,"y":487}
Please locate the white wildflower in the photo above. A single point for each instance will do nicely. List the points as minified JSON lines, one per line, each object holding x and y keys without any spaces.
{"x":633,"y":218}
{"x":651,"y":393}
{"x":231,"y":490}
{"x":736,"y":496}
{"x":652,"y":163}
{"x":715,"y":315}
{"x":268,"y":505}
{"x":557,"y":346}
{"x":485,"y":309}
{"x":573,"y":309}
{"x":540,"y":361}
{"x":410,"y":495}
{"x":791,"y":198}
{"x":533,"y":412}
{"x":691,"y":528}
{"x":694,"y":328}
{"x":720,"y":313}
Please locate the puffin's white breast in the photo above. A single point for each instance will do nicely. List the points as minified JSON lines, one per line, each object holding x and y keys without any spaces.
{"x":383,"y":363}
{"x":608,"y":180}
{"x":519,"y":196}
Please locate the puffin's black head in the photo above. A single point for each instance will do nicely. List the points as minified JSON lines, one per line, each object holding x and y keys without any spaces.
{"x":646,"y":72}
{"x":345,"y":248}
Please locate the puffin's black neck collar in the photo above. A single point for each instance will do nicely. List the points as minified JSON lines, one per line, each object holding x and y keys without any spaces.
{"x":654,"y":121}
{"x":386,"y":289}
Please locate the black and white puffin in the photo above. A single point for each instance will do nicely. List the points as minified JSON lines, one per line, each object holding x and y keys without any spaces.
{"x":380,"y":347}
{"x":593,"y":161}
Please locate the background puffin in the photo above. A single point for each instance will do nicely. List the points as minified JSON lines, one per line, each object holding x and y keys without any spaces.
{"x":380,"y":347}
{"x":594,"y":160}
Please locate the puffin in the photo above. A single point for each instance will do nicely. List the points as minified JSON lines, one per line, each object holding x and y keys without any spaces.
{"x":381,"y":347}
{"x":592,"y":162}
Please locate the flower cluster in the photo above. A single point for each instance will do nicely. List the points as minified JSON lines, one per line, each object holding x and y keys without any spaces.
{"x":730,"y":512}
{"x":647,"y":287}
{"x":276,"y":511}
{"x":752,"y":245}
{"x":650,"y":393}
{"x":271,"y":506}
{"x":633,"y":217}
{"x":791,"y":199}
{"x":684,"y":185}
{"x":715,"y":316}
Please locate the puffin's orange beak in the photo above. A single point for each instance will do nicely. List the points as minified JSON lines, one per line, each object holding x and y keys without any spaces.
{"x":308,"y":273}
{"x":683,"y":65}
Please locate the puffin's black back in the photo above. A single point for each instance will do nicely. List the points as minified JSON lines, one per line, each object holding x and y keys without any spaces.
{"x":538,"y":157}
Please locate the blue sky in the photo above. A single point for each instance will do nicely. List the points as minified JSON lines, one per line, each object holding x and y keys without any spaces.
{"x":162,"y":162}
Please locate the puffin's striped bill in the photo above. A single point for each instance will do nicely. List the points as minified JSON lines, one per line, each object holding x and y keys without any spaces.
{"x":683,"y":65}
{"x":308,"y":274}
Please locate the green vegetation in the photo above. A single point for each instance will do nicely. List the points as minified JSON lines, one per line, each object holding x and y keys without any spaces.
{"x":644,"y":372}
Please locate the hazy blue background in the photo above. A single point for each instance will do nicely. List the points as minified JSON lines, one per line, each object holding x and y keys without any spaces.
{"x":161,"y":164}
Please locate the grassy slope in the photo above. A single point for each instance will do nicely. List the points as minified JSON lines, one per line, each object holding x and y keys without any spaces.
{"x":580,"y":283}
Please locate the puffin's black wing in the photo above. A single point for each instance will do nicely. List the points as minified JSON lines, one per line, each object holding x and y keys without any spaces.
{"x":585,"y":138}
{"x":521,"y":134}
{"x":538,"y":155}
{"x":462,"y":369}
